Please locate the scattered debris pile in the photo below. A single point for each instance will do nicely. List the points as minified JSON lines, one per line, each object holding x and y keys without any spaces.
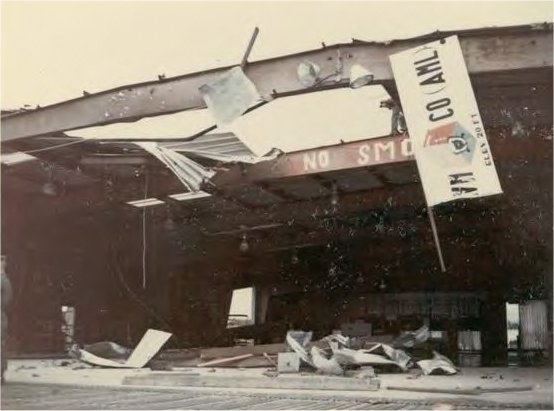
{"x":335,"y":354}
{"x":337,"y":358}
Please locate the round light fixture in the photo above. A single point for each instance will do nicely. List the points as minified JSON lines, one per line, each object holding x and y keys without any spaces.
{"x":308,"y":73}
{"x":244,"y":247}
{"x":360,"y":76}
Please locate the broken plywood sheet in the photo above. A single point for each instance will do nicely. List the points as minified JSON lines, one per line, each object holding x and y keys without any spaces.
{"x":149,"y":345}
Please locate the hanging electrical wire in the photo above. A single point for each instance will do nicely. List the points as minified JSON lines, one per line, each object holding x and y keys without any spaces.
{"x":149,"y":309}
{"x":144,"y":233}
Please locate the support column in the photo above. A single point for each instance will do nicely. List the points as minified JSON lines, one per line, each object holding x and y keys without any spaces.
{"x":493,"y":331}
{"x":262,"y":295}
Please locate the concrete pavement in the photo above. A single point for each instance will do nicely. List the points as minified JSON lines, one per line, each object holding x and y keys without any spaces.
{"x":209,"y":381}
{"x":58,"y":397}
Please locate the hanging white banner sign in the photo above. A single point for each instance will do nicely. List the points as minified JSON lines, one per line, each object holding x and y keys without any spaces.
{"x":445,"y":128}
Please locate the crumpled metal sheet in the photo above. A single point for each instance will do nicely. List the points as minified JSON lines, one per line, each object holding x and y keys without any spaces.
{"x":229,"y":96}
{"x":398,"y":356}
{"x":341,"y":340}
{"x":190,"y":173}
{"x":410,"y":339}
{"x":347,"y":356}
{"x":326,"y":365}
{"x":438,"y":364}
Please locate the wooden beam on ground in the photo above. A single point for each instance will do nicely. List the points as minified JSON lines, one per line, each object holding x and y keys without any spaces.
{"x":222,"y":361}
{"x":241,"y":350}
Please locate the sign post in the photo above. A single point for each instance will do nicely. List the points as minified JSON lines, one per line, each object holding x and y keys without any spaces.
{"x":446,"y":131}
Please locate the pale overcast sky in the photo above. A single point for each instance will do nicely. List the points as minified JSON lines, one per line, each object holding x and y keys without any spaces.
{"x":52,"y":51}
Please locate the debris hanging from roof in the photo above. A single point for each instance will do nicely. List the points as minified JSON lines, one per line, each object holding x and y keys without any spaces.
{"x":189,"y":172}
{"x":229,"y":96}
{"x":226,"y":158}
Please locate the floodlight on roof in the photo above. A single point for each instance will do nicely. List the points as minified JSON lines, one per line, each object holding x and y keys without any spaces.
{"x":360,"y":76}
{"x":16,"y":158}
{"x":191,"y":195}
{"x":147,"y":202}
{"x":308,"y":73}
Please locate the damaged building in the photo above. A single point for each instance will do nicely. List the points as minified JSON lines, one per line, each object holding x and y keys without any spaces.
{"x":108,"y":238}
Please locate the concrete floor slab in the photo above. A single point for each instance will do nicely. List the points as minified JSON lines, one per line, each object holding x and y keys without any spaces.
{"x":38,"y":396}
{"x":72,"y":373}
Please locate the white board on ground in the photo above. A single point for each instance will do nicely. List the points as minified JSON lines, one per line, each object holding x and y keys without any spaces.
{"x":445,"y":127}
{"x":151,"y":342}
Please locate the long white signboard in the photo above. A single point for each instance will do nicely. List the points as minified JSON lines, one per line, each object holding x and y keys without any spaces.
{"x":445,"y":128}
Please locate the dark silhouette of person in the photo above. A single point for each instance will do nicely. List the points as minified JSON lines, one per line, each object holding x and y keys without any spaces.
{"x":6,"y":298}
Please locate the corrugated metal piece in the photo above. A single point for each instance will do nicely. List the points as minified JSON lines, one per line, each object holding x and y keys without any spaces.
{"x":469,"y":340}
{"x":221,"y":143}
{"x":190,"y":173}
{"x":533,"y":325}
{"x":225,"y":147}
{"x":469,"y":346}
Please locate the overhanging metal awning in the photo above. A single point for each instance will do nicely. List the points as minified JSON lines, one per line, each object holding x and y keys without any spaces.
{"x":494,"y":57}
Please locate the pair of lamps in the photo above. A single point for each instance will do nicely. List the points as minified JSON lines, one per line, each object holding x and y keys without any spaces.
{"x":308,"y":75}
